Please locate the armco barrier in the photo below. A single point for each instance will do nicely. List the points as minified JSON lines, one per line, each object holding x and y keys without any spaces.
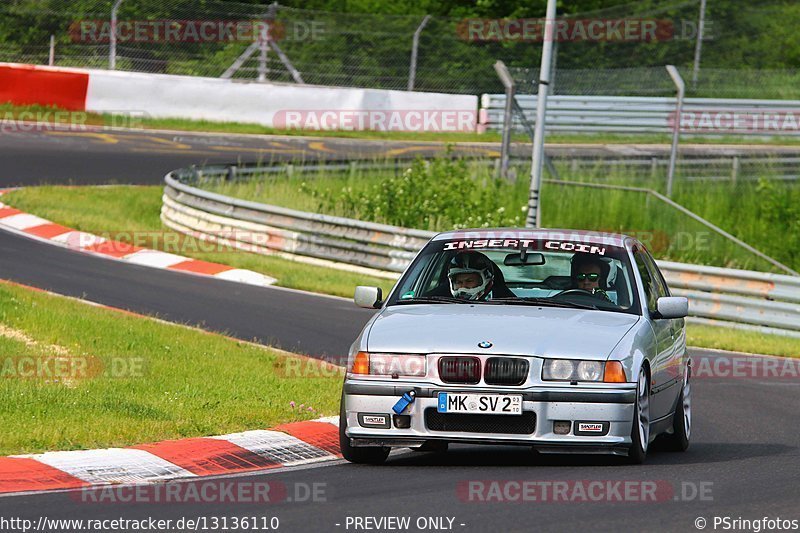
{"x":735,"y":298}
{"x":637,"y":114}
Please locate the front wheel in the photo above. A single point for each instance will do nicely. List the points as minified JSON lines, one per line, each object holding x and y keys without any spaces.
{"x":678,"y":441}
{"x":357,"y":454}
{"x":640,"y":430}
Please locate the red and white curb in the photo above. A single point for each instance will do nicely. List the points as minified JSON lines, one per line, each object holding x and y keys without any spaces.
{"x":38,"y":228}
{"x":293,"y":444}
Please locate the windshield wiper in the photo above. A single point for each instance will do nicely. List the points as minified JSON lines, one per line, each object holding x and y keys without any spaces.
{"x":434,"y":299}
{"x":545,"y":302}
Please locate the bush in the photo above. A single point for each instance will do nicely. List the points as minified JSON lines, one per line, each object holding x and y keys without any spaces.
{"x":439,"y":194}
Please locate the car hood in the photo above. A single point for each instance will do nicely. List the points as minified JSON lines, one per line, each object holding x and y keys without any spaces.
{"x":512,"y":330}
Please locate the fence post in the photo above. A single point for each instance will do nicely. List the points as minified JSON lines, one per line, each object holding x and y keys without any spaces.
{"x":508,"y":118}
{"x":52,"y":60}
{"x":735,"y":169}
{"x":412,"y":74}
{"x":676,"y":127}
{"x":112,"y":38}
{"x":699,"y":44}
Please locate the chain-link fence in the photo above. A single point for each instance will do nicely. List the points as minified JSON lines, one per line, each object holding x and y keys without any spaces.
{"x":594,"y":51}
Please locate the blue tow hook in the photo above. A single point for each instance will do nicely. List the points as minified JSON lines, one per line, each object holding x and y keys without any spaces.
{"x":405,"y":400}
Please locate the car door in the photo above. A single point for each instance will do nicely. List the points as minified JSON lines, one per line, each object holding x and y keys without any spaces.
{"x":660,"y":404}
{"x":672,"y":379}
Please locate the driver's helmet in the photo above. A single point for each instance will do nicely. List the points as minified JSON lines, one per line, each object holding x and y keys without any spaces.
{"x":581,"y":259}
{"x":471,"y":263}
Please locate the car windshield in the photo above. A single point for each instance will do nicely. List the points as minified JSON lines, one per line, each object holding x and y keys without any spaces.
{"x":542,"y":272}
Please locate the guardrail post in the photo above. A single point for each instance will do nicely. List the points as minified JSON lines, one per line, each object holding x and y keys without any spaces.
{"x":676,"y":127}
{"x":735,"y":169}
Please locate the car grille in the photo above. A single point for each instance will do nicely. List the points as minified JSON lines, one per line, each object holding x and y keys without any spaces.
{"x":524,"y":424}
{"x":460,"y":369}
{"x":506,"y":371}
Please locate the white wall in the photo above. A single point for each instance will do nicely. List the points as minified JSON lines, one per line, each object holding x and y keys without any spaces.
{"x":167,"y":96}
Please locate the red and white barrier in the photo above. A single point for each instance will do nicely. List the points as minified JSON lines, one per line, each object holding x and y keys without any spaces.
{"x":269,"y":104}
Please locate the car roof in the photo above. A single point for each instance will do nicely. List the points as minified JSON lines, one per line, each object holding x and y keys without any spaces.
{"x":591,"y":237}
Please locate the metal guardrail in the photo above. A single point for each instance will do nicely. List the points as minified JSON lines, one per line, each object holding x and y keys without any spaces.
{"x":720,"y":296}
{"x":636,"y":114}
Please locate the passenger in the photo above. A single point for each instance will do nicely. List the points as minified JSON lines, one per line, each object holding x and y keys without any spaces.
{"x":471,"y":276}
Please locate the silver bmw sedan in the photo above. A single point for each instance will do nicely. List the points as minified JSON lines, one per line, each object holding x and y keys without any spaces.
{"x":565,"y":341}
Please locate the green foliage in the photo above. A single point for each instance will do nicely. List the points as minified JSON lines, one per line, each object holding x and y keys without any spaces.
{"x":779,"y":208}
{"x":436,"y":194}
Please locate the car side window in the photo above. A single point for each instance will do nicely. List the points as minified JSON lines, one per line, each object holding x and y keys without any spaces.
{"x":655,"y":273}
{"x":650,"y":290}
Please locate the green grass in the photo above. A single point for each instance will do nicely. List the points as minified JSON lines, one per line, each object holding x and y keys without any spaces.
{"x":741,"y":341}
{"x":131,"y":214}
{"x":168,"y":381}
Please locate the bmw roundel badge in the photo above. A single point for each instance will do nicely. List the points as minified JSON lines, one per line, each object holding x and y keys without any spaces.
{"x":484,"y":344}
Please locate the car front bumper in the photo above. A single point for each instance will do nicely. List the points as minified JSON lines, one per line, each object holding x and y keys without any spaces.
{"x":611,"y":407}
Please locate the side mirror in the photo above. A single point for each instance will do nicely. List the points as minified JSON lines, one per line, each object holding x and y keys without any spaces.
{"x":672,"y":307}
{"x":369,"y":297}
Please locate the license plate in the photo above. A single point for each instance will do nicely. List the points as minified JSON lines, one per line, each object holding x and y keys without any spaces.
{"x":490,"y":404}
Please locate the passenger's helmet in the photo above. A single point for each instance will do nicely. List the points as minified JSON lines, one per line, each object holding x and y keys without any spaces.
{"x":471,"y":263}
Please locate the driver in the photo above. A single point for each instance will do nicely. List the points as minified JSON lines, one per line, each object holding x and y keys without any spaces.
{"x":471,"y":276}
{"x":589,"y":273}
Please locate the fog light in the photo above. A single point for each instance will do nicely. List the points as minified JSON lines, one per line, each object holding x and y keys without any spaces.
{"x":402,"y":421}
{"x":562,"y":427}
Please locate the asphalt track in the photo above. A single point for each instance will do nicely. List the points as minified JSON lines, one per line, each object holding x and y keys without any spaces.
{"x":143,"y":157}
{"x":743,"y":462}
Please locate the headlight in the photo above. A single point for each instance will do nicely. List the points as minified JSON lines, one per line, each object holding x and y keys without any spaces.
{"x":590,"y":371}
{"x":569,"y":370}
{"x":389,"y":364}
{"x":558,"y":369}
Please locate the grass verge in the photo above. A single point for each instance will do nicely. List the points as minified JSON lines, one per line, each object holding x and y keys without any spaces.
{"x":131,"y":214}
{"x":736,"y":340}
{"x":115,"y":379}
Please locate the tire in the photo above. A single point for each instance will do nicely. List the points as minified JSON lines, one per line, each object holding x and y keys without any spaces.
{"x":678,"y":440}
{"x":358,"y":454}
{"x":640,"y":427}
